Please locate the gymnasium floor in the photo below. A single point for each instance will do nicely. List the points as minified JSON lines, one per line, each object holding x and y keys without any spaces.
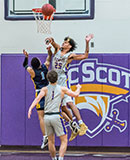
{"x":9,"y":153}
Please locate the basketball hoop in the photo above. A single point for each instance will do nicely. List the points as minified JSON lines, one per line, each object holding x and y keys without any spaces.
{"x":43,"y":22}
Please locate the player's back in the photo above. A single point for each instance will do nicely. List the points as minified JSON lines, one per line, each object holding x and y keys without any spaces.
{"x":40,"y":79}
{"x":53,"y":99}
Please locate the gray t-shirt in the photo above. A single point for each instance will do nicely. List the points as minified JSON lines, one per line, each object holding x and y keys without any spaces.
{"x":53,"y":99}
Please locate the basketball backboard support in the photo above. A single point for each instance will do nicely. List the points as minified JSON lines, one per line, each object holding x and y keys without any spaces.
{"x":65,"y":9}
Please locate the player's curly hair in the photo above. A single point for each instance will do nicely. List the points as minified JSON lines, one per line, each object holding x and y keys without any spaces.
{"x":52,"y":76}
{"x":71,"y":42}
{"x":35,"y":63}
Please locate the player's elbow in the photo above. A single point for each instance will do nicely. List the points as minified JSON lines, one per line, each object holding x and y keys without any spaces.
{"x":37,"y":100}
{"x":85,"y":56}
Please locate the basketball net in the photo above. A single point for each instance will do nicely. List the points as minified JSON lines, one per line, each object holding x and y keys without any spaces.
{"x":43,"y":25}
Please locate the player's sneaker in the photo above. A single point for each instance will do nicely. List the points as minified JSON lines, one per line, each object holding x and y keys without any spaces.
{"x":73,"y":135}
{"x":73,"y":125}
{"x":74,"y":129}
{"x":83,"y":129}
{"x":44,"y":142}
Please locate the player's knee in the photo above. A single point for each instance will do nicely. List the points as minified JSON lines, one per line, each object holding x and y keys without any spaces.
{"x":64,"y":139}
{"x":51,"y":142}
{"x":40,"y":117}
{"x":64,"y":142}
{"x":64,"y":108}
{"x":70,"y":104}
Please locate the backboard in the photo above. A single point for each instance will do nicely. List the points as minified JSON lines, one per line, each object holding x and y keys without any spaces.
{"x":65,"y":9}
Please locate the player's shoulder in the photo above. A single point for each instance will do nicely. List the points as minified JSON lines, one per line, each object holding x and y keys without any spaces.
{"x":30,"y":69}
{"x":57,"y":51}
{"x":44,"y":66}
{"x":72,"y":55}
{"x":44,"y":89}
{"x":63,"y":88}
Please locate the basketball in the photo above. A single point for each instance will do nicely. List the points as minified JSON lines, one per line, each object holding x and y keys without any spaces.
{"x":47,"y":9}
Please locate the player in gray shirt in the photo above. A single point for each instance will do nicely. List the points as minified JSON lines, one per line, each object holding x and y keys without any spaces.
{"x":54,"y":123}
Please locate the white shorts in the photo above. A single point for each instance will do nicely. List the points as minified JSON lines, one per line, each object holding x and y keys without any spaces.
{"x":54,"y":124}
{"x":62,"y":81}
{"x":66,"y":100}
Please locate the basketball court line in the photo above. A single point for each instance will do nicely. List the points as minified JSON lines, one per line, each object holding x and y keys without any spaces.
{"x":96,"y":153}
{"x":67,"y":153}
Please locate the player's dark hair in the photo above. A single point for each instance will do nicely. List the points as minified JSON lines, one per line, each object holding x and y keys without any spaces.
{"x":71,"y":42}
{"x":35,"y":63}
{"x":52,"y":76}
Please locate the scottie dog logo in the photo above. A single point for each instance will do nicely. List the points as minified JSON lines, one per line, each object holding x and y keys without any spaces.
{"x":101,"y":93}
{"x":101,"y":106}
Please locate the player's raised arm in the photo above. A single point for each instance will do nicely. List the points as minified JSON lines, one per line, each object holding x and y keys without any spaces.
{"x":53,"y":43}
{"x":85,"y":55}
{"x":70,"y":92}
{"x":48,"y":59}
{"x":25,"y":64}
{"x":36,"y":101}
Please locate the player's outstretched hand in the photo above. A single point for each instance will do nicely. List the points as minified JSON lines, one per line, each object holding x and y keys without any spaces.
{"x":89,"y":37}
{"x":29,"y":113}
{"x":49,"y":40}
{"x":25,"y":53}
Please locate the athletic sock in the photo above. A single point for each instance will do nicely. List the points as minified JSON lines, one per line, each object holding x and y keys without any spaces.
{"x":45,"y":136}
{"x":80,"y":122}
{"x":70,"y":122}
{"x":61,"y":158}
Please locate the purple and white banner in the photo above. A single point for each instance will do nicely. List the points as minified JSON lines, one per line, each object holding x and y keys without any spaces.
{"x":104,"y":94}
{"x":103,"y":101}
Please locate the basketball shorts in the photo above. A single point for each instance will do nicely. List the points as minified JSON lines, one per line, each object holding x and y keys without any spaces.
{"x":66,"y":100}
{"x":40,"y":105}
{"x":54,"y":124}
{"x":63,"y":82}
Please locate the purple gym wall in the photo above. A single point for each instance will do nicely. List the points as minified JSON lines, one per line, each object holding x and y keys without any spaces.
{"x":103,"y":102}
